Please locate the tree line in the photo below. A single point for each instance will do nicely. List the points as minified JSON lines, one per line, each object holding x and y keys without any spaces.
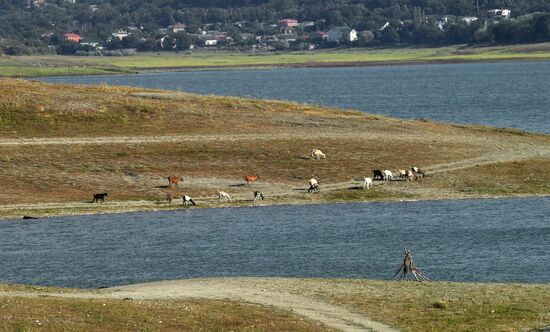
{"x":26,"y":28}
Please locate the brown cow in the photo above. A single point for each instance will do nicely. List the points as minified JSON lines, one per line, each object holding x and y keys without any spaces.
{"x":174,"y":180}
{"x":251,"y":178}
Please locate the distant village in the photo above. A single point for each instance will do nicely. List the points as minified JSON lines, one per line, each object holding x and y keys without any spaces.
{"x":285,"y":33}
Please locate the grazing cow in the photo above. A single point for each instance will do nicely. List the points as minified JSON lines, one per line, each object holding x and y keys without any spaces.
{"x":377,"y":175}
{"x":168,"y":198}
{"x":317,"y":154}
{"x":387,"y":175}
{"x":367,"y":183}
{"x":174,"y":180}
{"x":99,"y":197}
{"x":223,"y":195}
{"x":251,"y":178}
{"x":258,"y":195}
{"x":313,"y":185}
{"x":187,"y":200}
{"x":402,"y":174}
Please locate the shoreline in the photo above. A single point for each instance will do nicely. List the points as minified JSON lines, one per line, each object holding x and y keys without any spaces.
{"x":268,"y":66}
{"x":335,"y":64}
{"x":156,"y":206}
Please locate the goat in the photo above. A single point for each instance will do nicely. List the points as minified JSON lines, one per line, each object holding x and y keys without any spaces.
{"x":223,"y":195}
{"x":317,"y":154}
{"x":377,"y":175}
{"x":187,"y":200}
{"x":258,"y":195}
{"x":367,"y":183}
{"x":99,"y":197}
{"x":313,"y":185}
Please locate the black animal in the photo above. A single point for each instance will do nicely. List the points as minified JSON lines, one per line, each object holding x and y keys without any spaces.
{"x":377,"y":175}
{"x":258,"y":195}
{"x":99,"y":197}
{"x":29,"y":217}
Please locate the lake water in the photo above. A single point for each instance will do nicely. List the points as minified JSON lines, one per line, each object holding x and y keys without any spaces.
{"x":467,"y":240}
{"x":505,"y":94}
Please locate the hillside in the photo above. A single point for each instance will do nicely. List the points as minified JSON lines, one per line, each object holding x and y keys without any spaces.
{"x":60,"y":144}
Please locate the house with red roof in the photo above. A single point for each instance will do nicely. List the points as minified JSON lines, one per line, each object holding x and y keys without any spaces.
{"x":72,"y":37}
{"x":288,"y":22}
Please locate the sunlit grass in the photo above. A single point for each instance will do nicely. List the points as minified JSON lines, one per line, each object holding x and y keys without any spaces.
{"x":72,"y":65}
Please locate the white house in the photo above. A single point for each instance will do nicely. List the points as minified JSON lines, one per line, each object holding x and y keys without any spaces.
{"x":499,"y":13}
{"x":210,"y":42}
{"x":337,"y":34}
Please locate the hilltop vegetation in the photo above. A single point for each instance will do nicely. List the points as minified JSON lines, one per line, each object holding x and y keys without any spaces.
{"x":39,"y":28}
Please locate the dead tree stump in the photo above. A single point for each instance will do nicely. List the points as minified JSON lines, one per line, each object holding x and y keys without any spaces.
{"x":408,"y":267}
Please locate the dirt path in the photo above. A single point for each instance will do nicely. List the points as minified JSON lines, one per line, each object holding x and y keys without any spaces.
{"x":505,"y":155}
{"x":251,"y":290}
{"x":172,"y":138}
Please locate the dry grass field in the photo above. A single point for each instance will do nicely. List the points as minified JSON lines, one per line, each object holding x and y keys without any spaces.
{"x":59,"y":144}
{"x":280,"y":304}
{"x":78,"y":312}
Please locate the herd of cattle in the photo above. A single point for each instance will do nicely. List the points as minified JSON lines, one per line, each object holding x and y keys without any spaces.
{"x":411,"y":174}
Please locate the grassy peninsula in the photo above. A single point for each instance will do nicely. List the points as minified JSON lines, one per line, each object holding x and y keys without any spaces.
{"x":32,"y":66}
{"x":59,"y":144}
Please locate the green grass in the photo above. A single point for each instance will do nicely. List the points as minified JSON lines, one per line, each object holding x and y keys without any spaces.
{"x":221,"y":59}
{"x":24,"y":71}
{"x":70,"y":65}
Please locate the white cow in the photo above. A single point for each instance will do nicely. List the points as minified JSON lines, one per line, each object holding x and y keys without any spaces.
{"x":223,"y":195}
{"x":317,"y":154}
{"x":402,"y":173}
{"x":387,"y":175}
{"x":367,"y":183}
